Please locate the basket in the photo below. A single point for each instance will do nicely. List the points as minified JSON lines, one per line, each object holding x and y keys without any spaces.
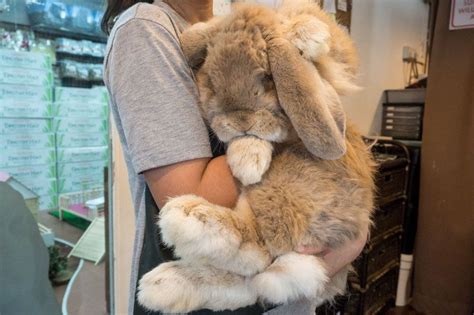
{"x":388,"y":218}
{"x":378,"y":296}
{"x":393,"y":159}
{"x":75,"y":203}
{"x":375,"y":257}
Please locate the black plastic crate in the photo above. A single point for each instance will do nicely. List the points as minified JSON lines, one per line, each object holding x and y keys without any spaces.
{"x":388,"y":218}
{"x":377,"y":256}
{"x":393,"y":160}
{"x":378,"y":296}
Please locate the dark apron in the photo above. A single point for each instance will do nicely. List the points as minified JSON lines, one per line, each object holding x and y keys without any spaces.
{"x":154,"y":252}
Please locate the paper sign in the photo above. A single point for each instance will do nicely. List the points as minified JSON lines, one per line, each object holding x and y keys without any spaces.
{"x":221,"y":7}
{"x":329,"y":6}
{"x":462,"y":14}
{"x":342,"y":5}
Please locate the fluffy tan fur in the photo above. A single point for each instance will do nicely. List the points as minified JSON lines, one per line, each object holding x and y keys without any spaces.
{"x":270,"y":83}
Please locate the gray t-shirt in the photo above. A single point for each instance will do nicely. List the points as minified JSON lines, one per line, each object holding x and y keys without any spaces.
{"x":154,"y":102}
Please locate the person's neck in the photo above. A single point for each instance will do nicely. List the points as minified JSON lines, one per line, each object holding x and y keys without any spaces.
{"x":193,"y":11}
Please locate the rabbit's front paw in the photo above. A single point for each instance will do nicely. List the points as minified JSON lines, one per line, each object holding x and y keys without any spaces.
{"x":198,"y":229}
{"x":310,"y":36}
{"x":249,"y":158}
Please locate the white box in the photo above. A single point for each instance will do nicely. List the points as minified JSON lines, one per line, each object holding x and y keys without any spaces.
{"x":81,"y":95}
{"x":27,"y":110}
{"x":76,"y":140}
{"x":27,"y":141}
{"x":80,"y":183}
{"x":83,"y":110}
{"x":83,"y":154}
{"x":79,"y":125}
{"x":20,"y":156}
{"x":92,"y":168}
{"x":38,"y":172}
{"x":26,"y":125}
{"x":41,"y":187}
{"x":22,"y":59}
{"x":48,"y":202}
{"x":12,"y":75}
{"x":11,"y":93}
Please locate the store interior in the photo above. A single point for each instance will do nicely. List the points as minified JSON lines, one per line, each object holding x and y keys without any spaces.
{"x":65,"y":192}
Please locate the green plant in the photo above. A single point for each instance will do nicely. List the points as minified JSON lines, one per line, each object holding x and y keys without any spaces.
{"x":57,"y":262}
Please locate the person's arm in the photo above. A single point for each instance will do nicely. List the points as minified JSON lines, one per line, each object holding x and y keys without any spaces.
{"x":208,"y":178}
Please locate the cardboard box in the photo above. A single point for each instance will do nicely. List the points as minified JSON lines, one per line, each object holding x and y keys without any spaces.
{"x":37,"y":172}
{"x":82,"y":110}
{"x":27,"y":110}
{"x":48,"y":202}
{"x":20,"y":156}
{"x":81,"y":95}
{"x":26,"y":125}
{"x":15,"y":94}
{"x":32,"y":140}
{"x":76,"y":140}
{"x":23,"y":59}
{"x":83,"y":154}
{"x":81,"y":125}
{"x":82,"y":169}
{"x":41,"y":187}
{"x":30,"y":77}
{"x":74,"y":184}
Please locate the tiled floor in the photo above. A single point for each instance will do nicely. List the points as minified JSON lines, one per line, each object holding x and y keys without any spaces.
{"x":87,"y":295}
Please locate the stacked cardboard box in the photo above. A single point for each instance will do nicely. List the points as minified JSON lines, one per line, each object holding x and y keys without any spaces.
{"x":82,"y":137}
{"x":27,"y":138}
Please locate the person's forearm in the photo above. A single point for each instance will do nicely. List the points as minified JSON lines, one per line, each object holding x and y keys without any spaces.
{"x":217,"y":184}
{"x":208,"y":178}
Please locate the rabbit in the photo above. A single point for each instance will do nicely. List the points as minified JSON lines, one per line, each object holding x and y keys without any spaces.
{"x":270,"y":85}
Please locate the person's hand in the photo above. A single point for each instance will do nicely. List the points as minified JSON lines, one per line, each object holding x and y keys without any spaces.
{"x":339,"y":258}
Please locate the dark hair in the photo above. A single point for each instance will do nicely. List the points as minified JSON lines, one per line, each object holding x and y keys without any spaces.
{"x":114,"y":8}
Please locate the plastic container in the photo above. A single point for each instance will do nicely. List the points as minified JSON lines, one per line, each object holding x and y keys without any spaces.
{"x":388,"y":218}
{"x":377,"y":256}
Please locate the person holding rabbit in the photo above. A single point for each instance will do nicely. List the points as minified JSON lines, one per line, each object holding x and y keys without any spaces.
{"x":167,"y":147}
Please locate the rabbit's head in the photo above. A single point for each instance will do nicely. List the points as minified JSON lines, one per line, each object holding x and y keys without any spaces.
{"x":253,"y":81}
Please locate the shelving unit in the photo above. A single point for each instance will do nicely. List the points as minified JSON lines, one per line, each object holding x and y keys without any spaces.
{"x":55,"y":133}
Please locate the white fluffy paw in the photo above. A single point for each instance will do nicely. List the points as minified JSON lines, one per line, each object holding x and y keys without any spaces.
{"x":198,"y":229}
{"x":249,"y":158}
{"x":310,"y":36}
{"x":291,"y":277}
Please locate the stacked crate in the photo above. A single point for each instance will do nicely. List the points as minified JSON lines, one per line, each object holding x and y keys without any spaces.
{"x":374,"y":287}
{"x":82,"y":138}
{"x":27,"y":139}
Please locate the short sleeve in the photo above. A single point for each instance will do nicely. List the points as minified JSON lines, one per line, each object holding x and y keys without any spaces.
{"x":155,"y":97}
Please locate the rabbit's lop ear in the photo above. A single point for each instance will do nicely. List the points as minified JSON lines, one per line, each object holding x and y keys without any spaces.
{"x":195,"y":39}
{"x":311,"y":103}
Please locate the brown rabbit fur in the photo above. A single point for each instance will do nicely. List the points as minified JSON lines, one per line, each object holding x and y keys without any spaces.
{"x":270,"y":85}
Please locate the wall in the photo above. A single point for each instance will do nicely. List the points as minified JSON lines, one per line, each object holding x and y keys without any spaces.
{"x":380,"y":29}
{"x":123,"y":226}
{"x":444,"y":250}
